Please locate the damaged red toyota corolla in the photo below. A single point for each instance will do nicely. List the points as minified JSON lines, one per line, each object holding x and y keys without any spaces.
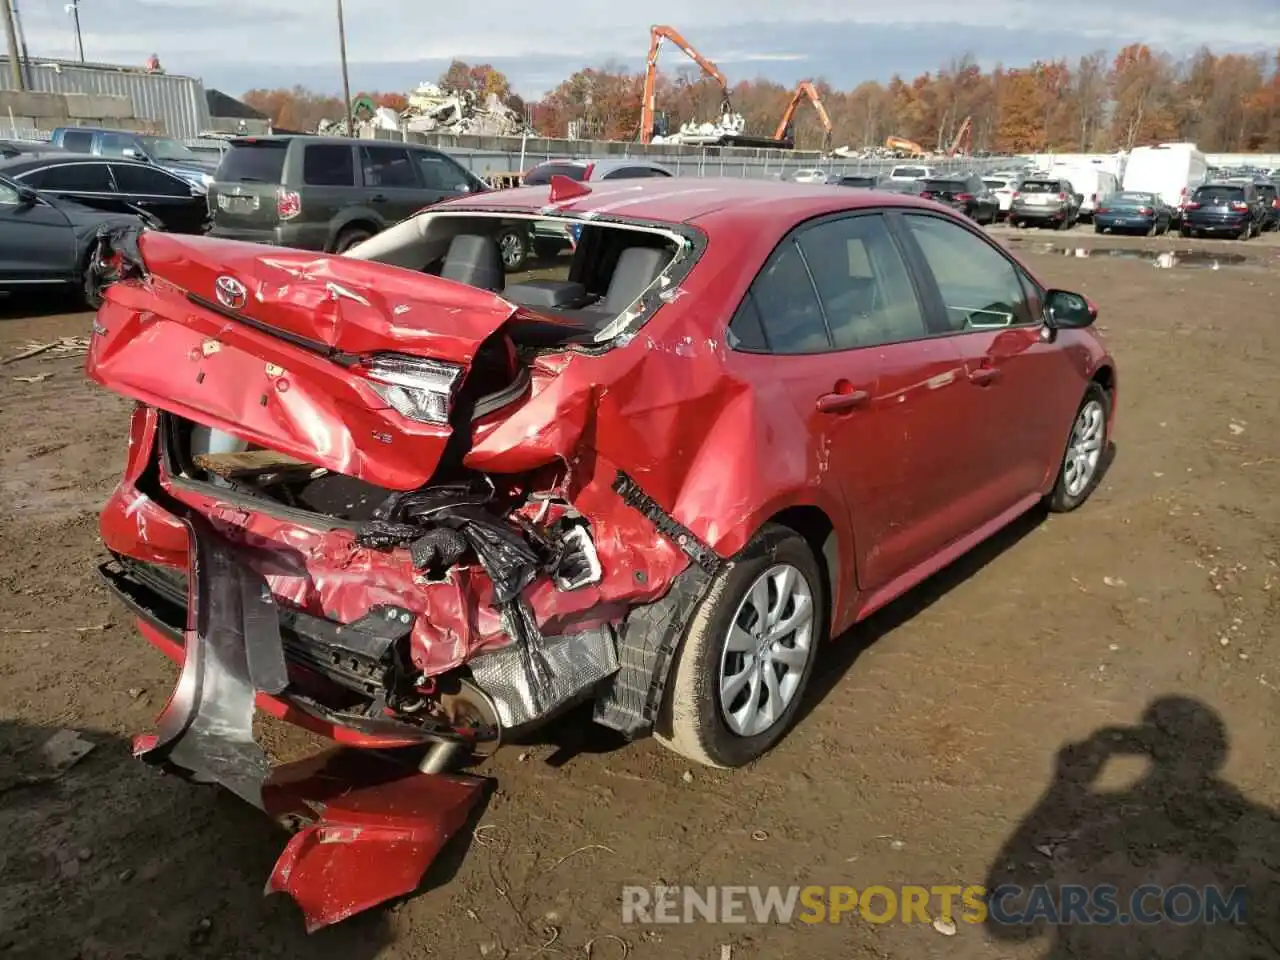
{"x":407,"y":502}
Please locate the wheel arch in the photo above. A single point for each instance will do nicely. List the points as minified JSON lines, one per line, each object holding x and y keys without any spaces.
{"x":815,"y":527}
{"x":359,"y":220}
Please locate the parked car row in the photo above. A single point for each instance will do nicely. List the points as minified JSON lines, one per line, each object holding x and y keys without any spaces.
{"x":965,"y":193}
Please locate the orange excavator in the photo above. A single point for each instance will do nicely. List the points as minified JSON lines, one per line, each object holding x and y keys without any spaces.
{"x":908,"y":147}
{"x":805,"y":89}
{"x":648,"y":111}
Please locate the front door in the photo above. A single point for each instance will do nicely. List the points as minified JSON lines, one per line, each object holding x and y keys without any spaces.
{"x":841,"y":337}
{"x":36,"y":241}
{"x":1014,"y":383}
{"x":166,"y":197}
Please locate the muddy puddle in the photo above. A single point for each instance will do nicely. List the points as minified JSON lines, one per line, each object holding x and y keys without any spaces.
{"x":1166,"y":259}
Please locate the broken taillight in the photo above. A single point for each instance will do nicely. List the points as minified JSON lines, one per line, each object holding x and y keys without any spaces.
{"x":1191,"y":205}
{"x":1239,"y":205}
{"x":966,"y":197}
{"x":1145,"y":211}
{"x":415,"y":387}
{"x":288,"y":203}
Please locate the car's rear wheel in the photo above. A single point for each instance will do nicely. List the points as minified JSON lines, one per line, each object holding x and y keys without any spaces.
{"x":349,"y":238}
{"x":514,"y":245}
{"x":1081,"y":467}
{"x":740,"y":674}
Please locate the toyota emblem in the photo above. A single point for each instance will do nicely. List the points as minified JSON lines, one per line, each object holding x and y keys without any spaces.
{"x":231,"y":292}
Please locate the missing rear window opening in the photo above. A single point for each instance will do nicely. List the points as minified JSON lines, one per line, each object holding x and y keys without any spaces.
{"x":588,"y":276}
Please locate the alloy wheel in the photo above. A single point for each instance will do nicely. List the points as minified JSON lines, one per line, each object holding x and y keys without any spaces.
{"x":1084,"y":449}
{"x":769,"y":644}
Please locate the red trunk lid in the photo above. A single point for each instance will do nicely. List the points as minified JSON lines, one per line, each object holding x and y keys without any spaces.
{"x":265,"y":344}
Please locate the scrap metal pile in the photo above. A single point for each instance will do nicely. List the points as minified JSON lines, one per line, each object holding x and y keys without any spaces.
{"x":433,"y":109}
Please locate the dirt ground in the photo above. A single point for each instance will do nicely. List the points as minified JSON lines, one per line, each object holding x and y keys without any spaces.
{"x":928,"y":752}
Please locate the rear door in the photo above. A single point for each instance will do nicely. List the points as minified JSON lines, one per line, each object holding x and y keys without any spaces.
{"x":1018,"y":392}
{"x":391,"y":184}
{"x":162,"y":195}
{"x":833,"y":329}
{"x":243,"y":196}
{"x":330,"y":195}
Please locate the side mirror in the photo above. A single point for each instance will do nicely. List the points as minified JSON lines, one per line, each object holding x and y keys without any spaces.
{"x":1064,"y":310}
{"x":27,"y":197}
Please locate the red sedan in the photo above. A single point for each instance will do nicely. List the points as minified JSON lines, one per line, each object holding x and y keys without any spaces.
{"x":407,"y":500}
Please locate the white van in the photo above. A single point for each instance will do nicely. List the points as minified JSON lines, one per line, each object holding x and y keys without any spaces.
{"x":1171,"y":170}
{"x":1092,"y":181}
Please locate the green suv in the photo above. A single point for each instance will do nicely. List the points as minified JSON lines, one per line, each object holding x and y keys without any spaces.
{"x":327,"y":193}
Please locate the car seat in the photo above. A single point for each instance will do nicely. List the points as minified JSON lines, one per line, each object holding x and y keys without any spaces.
{"x":475,"y":260}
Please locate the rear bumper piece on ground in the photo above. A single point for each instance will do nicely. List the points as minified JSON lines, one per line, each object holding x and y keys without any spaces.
{"x":368,"y":828}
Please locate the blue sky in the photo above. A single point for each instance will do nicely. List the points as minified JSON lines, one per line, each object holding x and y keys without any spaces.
{"x":393,"y":44}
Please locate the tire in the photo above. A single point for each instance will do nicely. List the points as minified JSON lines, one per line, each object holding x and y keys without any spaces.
{"x":692,"y":722}
{"x":1068,"y":493}
{"x":514,"y":244}
{"x":1185,"y":232}
{"x":89,"y":290}
{"x":349,"y":237}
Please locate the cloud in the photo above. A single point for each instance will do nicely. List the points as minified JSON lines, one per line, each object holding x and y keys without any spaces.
{"x":236,"y":44}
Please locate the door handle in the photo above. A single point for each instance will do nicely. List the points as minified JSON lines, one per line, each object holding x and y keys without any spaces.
{"x":377,"y":198}
{"x":839,"y":402}
{"x":984,"y":376}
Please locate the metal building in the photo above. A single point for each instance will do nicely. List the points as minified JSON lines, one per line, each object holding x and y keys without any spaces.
{"x":177,"y":102}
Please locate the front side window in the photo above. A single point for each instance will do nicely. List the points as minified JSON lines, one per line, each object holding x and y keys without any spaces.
{"x":131,"y":178}
{"x":440,"y":173}
{"x":978,"y":284}
{"x":115,"y":144}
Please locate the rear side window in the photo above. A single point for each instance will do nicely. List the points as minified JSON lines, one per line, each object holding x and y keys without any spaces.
{"x":863,"y":284}
{"x":632,"y":173}
{"x":387,"y":167}
{"x":543,"y":173}
{"x":254,"y":161}
{"x":781,"y":314}
{"x":81,"y":177}
{"x":328,"y":165}
{"x":77,"y":141}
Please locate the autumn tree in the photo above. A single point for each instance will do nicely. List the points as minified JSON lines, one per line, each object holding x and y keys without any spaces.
{"x":1141,"y":87}
{"x":481,"y":79}
{"x":296,"y":109}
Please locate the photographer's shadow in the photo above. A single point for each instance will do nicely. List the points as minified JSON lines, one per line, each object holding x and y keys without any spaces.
{"x":1176,"y":825}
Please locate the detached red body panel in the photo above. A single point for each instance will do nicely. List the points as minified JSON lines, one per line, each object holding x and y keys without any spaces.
{"x":415,"y":512}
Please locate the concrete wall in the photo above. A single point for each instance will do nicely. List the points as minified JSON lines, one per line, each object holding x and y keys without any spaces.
{"x":22,"y":110}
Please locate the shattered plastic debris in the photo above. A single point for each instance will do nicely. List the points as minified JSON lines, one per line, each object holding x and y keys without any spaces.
{"x":62,"y":347}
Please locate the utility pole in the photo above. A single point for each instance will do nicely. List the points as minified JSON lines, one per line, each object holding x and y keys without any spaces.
{"x":11,"y":35}
{"x":73,"y":8}
{"x":346,"y":83}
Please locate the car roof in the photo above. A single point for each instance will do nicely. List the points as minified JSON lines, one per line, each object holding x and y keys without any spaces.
{"x":38,"y":161}
{"x":312,"y":138}
{"x":686,"y":200}
{"x":603,"y":163}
